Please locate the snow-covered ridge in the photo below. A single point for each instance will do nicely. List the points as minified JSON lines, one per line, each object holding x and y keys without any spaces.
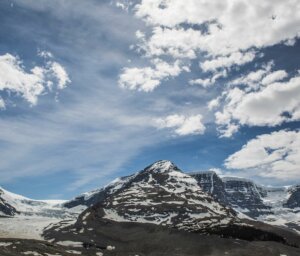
{"x":27,"y":206}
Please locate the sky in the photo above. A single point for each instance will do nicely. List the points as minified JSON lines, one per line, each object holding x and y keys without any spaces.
{"x":93,"y":90}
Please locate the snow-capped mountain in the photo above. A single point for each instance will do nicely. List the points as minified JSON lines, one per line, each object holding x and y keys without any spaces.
{"x":181,"y":210}
{"x":162,"y":194}
{"x":160,"y":208}
{"x":243,"y":195}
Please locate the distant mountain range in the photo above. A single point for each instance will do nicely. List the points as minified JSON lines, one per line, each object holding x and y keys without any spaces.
{"x":160,"y":203}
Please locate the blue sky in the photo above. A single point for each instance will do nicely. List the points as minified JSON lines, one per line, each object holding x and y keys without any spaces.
{"x":119,"y":85}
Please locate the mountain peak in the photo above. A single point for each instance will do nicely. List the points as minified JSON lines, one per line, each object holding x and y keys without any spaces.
{"x":162,"y":166}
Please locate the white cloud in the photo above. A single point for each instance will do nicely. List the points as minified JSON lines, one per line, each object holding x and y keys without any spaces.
{"x":236,"y":58}
{"x":183,"y":125}
{"x":253,"y":79}
{"x":274,"y":77}
{"x":232,"y":25}
{"x":29,"y":84}
{"x":60,"y":73}
{"x":275,"y":155}
{"x":214,"y":103}
{"x":221,"y":33}
{"x":270,"y":103}
{"x":207,"y":82}
{"x":148,"y":78}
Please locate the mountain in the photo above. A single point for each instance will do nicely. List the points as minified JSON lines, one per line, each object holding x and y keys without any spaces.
{"x":159,"y":211}
{"x":274,"y":205}
{"x":162,"y":194}
{"x":162,"y":211}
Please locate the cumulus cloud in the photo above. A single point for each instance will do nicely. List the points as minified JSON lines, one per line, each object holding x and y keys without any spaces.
{"x":207,"y":82}
{"x":148,"y":78}
{"x":236,"y":58}
{"x":182,"y":125}
{"x":239,"y":25}
{"x":14,"y":78}
{"x":275,"y":155}
{"x":268,"y":102}
{"x":221,"y":34}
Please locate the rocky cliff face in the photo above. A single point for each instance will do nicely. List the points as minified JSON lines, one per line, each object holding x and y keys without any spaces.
{"x":294,"y":197}
{"x":244,"y":196}
{"x":212,"y":184}
{"x":240,"y":194}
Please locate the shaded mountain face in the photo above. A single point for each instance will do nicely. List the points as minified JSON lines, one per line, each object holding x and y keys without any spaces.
{"x":162,"y":194}
{"x":294,"y":198}
{"x":244,"y":196}
{"x":240,"y":194}
{"x":212,"y":184}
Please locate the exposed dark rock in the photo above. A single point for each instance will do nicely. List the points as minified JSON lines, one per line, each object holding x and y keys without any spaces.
{"x":294,"y":198}
{"x":211,"y":183}
{"x":244,"y":196}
